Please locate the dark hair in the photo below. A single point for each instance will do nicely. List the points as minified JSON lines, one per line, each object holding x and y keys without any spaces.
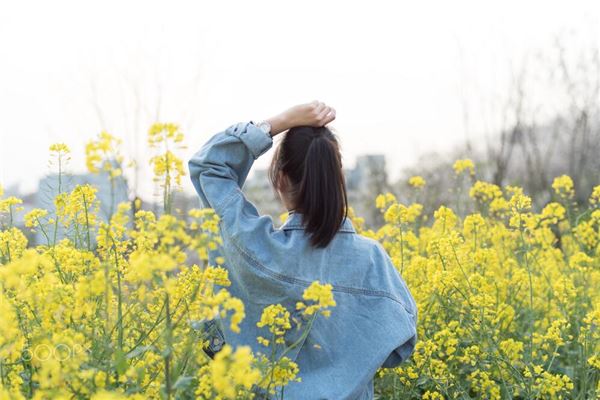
{"x":310,"y":157}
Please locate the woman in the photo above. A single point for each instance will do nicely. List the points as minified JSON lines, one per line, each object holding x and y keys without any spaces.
{"x":374,"y":322}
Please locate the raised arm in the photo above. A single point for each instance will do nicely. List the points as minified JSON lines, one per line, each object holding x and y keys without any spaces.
{"x":219,"y":169}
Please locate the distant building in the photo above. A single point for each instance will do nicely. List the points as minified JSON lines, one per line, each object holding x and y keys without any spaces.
{"x":259,"y":192}
{"x":27,"y":205}
{"x":108,"y":196}
{"x":369,"y":170}
{"x":364,"y":182}
{"x":183,"y":203}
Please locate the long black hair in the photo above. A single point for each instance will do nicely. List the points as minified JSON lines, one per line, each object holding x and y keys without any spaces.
{"x":310,"y":158}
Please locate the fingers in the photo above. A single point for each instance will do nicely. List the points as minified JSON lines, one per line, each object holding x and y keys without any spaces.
{"x":317,"y":108}
{"x":323,"y":114}
{"x":316,"y":113}
{"x":329,"y":117}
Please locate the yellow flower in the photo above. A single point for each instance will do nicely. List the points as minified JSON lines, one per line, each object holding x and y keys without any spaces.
{"x":79,"y":207}
{"x":283,"y":217}
{"x":105,"y":320}
{"x":105,"y":395}
{"x":563,"y":186}
{"x":218,"y":275}
{"x":6,"y":205}
{"x":60,"y":148}
{"x":485,"y":192}
{"x":229,"y":373}
{"x":285,"y":371}
{"x":234,"y":304}
{"x":102,"y":154}
{"x":594,"y":198}
{"x":594,"y":361}
{"x":417,"y":181}
{"x":581,"y":261}
{"x":160,"y":133}
{"x":33,"y":217}
{"x":484,"y":385}
{"x":384,"y":200}
{"x":263,"y":341}
{"x":429,"y":395}
{"x":321,"y":297}
{"x":12,"y":244}
{"x":464,"y":165}
{"x":586,"y":234}
{"x":445,"y":219}
{"x":519,"y":202}
{"x":474,"y":227}
{"x":167,"y":167}
{"x":553,"y":213}
{"x":400,"y":214}
{"x":277,"y":318}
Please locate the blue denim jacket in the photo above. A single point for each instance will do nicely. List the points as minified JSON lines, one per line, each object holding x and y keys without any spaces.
{"x":374,"y":322}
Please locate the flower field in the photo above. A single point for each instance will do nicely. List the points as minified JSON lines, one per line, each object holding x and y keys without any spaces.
{"x":508,"y":298}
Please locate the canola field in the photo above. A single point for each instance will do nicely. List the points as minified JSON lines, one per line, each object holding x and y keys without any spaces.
{"x":508,"y":298}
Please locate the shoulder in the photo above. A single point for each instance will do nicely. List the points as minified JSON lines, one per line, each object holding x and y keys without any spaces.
{"x":373,"y":249}
{"x":380,"y":273}
{"x":365,"y":258}
{"x":248,"y":229}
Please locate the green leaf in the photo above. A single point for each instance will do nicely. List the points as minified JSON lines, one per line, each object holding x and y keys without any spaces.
{"x":138,"y":351}
{"x":120,"y":362}
{"x":183,"y":382}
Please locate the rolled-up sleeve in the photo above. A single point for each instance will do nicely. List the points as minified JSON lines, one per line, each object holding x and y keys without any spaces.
{"x":220,"y":168}
{"x":218,"y":172}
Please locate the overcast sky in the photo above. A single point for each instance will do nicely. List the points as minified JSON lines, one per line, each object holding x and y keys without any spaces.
{"x":398,"y":73}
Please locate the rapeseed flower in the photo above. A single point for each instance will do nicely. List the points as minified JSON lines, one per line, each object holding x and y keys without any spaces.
{"x":321,"y":298}
{"x":464,"y":165}
{"x":112,"y":308}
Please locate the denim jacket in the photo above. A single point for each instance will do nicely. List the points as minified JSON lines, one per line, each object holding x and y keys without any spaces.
{"x":373,"y":324}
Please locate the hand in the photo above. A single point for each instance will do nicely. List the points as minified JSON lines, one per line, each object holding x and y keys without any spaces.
{"x":315,"y":113}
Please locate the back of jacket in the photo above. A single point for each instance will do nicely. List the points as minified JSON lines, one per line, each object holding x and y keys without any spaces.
{"x":374,"y":321}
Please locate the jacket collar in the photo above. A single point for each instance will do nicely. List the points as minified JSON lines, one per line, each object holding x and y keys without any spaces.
{"x":294,"y":221}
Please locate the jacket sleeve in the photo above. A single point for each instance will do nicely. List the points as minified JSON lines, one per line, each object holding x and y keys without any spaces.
{"x":218,"y":172}
{"x":406,"y":333}
{"x":405,"y":348}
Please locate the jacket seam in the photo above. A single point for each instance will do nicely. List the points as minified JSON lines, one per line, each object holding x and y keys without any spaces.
{"x":223,"y":205}
{"x":297,"y":227}
{"x":238,"y":135}
{"x":300,"y":282}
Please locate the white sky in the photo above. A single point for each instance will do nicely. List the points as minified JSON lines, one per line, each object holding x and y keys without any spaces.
{"x":397,"y":72}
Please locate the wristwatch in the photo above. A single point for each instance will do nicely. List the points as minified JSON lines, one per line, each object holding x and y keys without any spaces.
{"x":265,"y":126}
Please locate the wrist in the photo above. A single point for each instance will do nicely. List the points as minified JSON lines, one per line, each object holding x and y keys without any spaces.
{"x":279,"y":123}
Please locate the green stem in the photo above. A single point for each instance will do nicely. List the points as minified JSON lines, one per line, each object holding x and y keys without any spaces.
{"x":107,"y":316}
{"x":87,"y":222}
{"x":169,"y":346}
{"x":119,"y":300}
{"x":401,"y":250}
{"x":112,"y":198}
{"x":59,"y":192}
{"x":43,"y":230}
